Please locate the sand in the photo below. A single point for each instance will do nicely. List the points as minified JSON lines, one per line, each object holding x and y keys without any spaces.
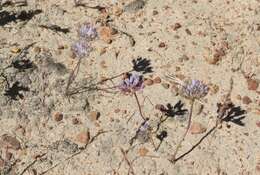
{"x":88,"y":133}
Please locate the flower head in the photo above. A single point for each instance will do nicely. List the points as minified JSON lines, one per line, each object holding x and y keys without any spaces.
{"x":81,"y":48}
{"x":133,"y":82}
{"x":194,"y":89}
{"x":87,"y":31}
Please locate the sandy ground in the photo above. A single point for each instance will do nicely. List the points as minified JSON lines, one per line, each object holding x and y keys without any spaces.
{"x":44,"y":132}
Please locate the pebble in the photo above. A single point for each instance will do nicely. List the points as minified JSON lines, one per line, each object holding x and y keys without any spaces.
{"x":176,"y":26}
{"x":148,"y":82}
{"x":166,"y":85}
{"x":143,"y":151}
{"x":10,"y":142}
{"x":75,"y":121}
{"x":94,"y":115}
{"x":157,"y":80}
{"x":174,"y":90}
{"x":83,"y":137}
{"x":117,"y":11}
{"x":162,"y":45}
{"x":197,"y":128}
{"x":258,"y":124}
{"x":252,"y":84}
{"x":15,"y":50}
{"x":246,"y":100}
{"x":117,"y":110}
{"x":105,"y":34}
{"x":58,"y":116}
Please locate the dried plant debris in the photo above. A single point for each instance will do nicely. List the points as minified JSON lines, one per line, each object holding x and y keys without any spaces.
{"x":55,"y":28}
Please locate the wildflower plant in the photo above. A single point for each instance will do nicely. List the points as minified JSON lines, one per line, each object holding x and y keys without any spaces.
{"x":192,"y":90}
{"x":130,"y":84}
{"x":87,"y":32}
{"x":81,"y":48}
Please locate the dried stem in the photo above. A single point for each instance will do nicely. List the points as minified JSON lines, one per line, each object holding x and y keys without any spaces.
{"x":184,"y":135}
{"x":72,"y":77}
{"x":139,"y":106}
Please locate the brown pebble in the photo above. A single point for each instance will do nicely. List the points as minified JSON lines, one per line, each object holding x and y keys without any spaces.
{"x":83,"y":137}
{"x":58,"y":116}
{"x":155,"y":12}
{"x":176,"y":26}
{"x":75,"y":121}
{"x":117,"y":11}
{"x":197,"y":128}
{"x":188,"y":31}
{"x":246,"y":100}
{"x":10,"y":142}
{"x":162,"y":44}
{"x":258,"y":124}
{"x":15,"y":50}
{"x":238,"y":97}
{"x":105,"y":34}
{"x":94,"y":115}
{"x":159,"y":107}
{"x":166,"y":85}
{"x":117,"y":110}
{"x":37,"y":49}
{"x":148,"y":82}
{"x":157,"y":80}
{"x":252,"y":84}
{"x":143,"y":151}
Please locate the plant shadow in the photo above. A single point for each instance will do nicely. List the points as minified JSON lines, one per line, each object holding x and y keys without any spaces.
{"x":15,"y":91}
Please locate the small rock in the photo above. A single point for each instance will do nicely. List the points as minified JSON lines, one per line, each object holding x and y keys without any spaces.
{"x":15,"y":50}
{"x":10,"y":142}
{"x":162,"y":44}
{"x":176,"y":26}
{"x":143,"y":151}
{"x":157,"y":80}
{"x":166,"y":85}
{"x":159,"y":107}
{"x":117,"y":110}
{"x":58,"y":116}
{"x":258,"y":124}
{"x":105,"y":34}
{"x":75,"y":121}
{"x":197,"y":128}
{"x":155,"y":12}
{"x":83,"y":137}
{"x":213,"y":88}
{"x":188,"y":31}
{"x":252,"y":84}
{"x":148,"y":82}
{"x":37,"y":50}
{"x":102,"y":51}
{"x":246,"y":100}
{"x":198,"y":107}
{"x":94,"y":115}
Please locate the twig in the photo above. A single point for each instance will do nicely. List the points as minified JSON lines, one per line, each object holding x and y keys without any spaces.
{"x":127,"y":160}
{"x":139,"y":106}
{"x":184,"y":135}
{"x":31,"y":164}
{"x":75,"y":154}
{"x":72,"y":76}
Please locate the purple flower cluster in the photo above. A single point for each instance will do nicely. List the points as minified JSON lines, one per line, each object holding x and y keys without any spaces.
{"x":81,"y":48}
{"x":132,"y":83}
{"x":194,"y":89}
{"x":87,"y":32}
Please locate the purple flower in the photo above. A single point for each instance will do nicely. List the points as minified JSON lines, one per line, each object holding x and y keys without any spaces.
{"x":81,"y":48}
{"x":88,"y":32}
{"x":132,"y":83}
{"x":194,"y":89}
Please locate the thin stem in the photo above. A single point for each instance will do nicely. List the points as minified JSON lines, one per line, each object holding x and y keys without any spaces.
{"x":173,"y":160}
{"x":139,"y":106}
{"x":111,"y":78}
{"x":72,"y":76}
